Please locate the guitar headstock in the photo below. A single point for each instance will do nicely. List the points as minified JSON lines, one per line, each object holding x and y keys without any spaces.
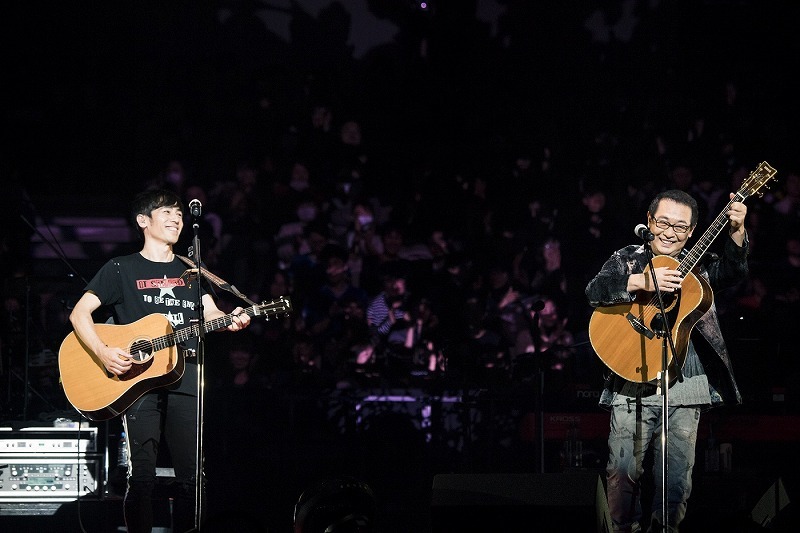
{"x":273,"y":308}
{"x":757,"y":179}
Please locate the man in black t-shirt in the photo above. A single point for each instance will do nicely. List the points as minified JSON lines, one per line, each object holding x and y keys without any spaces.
{"x":153,"y":281}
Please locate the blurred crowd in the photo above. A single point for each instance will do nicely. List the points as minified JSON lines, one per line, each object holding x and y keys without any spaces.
{"x":472,"y":277}
{"x":460,"y":277}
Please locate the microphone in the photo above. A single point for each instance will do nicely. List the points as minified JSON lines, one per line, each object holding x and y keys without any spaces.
{"x":195,"y":207}
{"x":643,"y":233}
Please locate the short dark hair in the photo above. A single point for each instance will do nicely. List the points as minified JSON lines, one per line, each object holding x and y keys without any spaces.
{"x":149,"y":200}
{"x":679,"y":197}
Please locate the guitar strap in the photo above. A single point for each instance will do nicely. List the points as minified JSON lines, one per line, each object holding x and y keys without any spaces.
{"x":218,"y":281}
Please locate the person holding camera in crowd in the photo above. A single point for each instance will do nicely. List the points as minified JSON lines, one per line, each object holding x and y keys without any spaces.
{"x":389,"y":319}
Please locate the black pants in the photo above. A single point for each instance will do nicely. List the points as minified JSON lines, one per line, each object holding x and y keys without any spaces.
{"x":175,"y":415}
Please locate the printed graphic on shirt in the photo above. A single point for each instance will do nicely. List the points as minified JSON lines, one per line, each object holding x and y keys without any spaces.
{"x":165,"y":285}
{"x":176,"y":319}
{"x":166,"y":297}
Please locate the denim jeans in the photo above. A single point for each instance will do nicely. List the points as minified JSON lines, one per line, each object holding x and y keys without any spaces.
{"x":635,"y":429}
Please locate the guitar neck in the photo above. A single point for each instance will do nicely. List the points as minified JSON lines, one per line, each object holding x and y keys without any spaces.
{"x":699,"y":250}
{"x":210,"y":325}
{"x":757,"y":179}
{"x":282,"y":305}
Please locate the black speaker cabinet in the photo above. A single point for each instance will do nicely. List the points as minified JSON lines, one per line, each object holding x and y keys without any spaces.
{"x":566,"y":501}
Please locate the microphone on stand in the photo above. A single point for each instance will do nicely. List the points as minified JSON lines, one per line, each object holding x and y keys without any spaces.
{"x":643,"y":233}
{"x":195,"y":207}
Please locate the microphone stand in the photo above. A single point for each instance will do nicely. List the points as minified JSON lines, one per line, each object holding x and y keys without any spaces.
{"x":540,"y":370}
{"x":533,"y":325}
{"x":663,"y":385}
{"x":199,"y":476}
{"x":28,"y":388}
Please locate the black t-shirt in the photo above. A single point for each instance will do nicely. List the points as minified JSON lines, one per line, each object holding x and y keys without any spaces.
{"x":134,"y":287}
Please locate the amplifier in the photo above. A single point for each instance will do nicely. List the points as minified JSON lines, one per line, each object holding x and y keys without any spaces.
{"x":47,"y":477}
{"x":58,"y":440}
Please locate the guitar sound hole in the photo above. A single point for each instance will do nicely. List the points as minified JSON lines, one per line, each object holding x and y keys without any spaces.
{"x":141,"y":351}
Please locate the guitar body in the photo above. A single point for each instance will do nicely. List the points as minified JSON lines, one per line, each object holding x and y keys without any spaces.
{"x":152,"y":346}
{"x":627,"y":337}
{"x":99,"y":395}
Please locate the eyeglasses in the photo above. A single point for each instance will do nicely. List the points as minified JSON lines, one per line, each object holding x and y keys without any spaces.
{"x":677,"y":228}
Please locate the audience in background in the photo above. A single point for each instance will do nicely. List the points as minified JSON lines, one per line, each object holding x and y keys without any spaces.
{"x":441,"y":253}
{"x":324,"y":310}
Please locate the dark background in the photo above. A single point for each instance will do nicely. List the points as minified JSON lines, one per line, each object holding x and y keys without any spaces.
{"x":102,"y":93}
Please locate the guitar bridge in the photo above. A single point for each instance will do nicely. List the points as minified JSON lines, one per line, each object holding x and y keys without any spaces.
{"x":639,"y":326}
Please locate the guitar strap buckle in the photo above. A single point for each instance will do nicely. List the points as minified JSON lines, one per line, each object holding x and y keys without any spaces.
{"x":189,"y":274}
{"x":192,"y":273}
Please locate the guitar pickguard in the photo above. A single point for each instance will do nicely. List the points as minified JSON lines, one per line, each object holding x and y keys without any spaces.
{"x":671,"y":306}
{"x":136,"y":370}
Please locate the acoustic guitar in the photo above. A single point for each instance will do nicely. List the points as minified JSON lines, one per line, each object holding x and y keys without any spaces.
{"x":629,"y":338}
{"x":152,"y":346}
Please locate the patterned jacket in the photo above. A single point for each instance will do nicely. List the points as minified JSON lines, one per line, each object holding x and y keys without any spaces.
{"x":609,"y":287}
